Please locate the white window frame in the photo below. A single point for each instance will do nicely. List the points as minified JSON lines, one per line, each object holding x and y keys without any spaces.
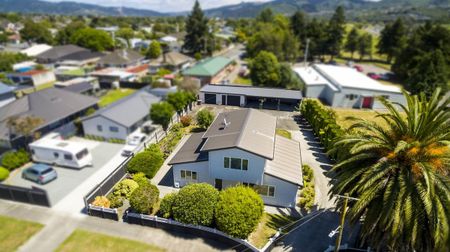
{"x":268,"y":190}
{"x":241,"y":163}
{"x":188,"y":178}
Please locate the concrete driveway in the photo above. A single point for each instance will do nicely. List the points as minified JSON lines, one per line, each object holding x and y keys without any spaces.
{"x":68,"y":178}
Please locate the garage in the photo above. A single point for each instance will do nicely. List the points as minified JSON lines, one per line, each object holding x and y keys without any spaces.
{"x":233,"y":100}
{"x":210,"y":99}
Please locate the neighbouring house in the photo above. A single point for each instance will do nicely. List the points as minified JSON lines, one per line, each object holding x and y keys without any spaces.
{"x":35,"y":50}
{"x":162,"y":92}
{"x":7,"y":94}
{"x":64,"y":73}
{"x":56,"y":107}
{"x":173,"y":61}
{"x":111,"y":77}
{"x":118,"y":120}
{"x":139,"y":71}
{"x":81,"y":85}
{"x":24,"y":66}
{"x":80,"y":59}
{"x":172,"y":42}
{"x":341,"y":86}
{"x":241,"y":147}
{"x":242,"y":95}
{"x":211,"y":70}
{"x":122,"y":58}
{"x":33,"y":77}
{"x":56,"y":53}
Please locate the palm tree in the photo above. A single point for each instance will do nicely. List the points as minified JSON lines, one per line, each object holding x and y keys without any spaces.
{"x":400,"y":172}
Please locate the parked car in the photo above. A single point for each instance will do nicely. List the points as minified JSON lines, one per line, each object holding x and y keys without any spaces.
{"x":332,"y":62}
{"x":350,"y":63}
{"x":358,"y":68}
{"x":133,"y":142}
{"x":40,"y":173}
{"x":374,"y":76}
{"x":386,"y":76}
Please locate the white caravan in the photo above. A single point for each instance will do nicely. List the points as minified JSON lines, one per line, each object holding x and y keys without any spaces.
{"x":52,"y":149}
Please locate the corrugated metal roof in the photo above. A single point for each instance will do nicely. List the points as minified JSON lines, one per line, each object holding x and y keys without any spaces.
{"x":286,"y":163}
{"x":252,"y":91}
{"x":208,"y":67}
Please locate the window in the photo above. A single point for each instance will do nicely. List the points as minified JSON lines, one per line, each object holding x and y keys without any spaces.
{"x":55,"y":154}
{"x":113,"y":129}
{"x":265,"y":190}
{"x":82,"y":154}
{"x":244,"y":164}
{"x":68,"y":156}
{"x":226,"y":162}
{"x":99,"y":128}
{"x":188,"y":175}
{"x":235,"y":163}
{"x":248,"y":184}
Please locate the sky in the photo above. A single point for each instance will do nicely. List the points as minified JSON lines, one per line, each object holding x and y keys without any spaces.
{"x":161,"y":5}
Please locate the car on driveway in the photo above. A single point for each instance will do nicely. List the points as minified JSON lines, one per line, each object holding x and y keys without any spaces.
{"x":374,"y":76}
{"x":133,"y":142}
{"x":358,"y":68}
{"x":40,"y":173}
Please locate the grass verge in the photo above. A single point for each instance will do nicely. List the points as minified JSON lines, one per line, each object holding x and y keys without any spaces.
{"x":267,"y":227}
{"x":114,"y":95}
{"x":283,"y":133}
{"x":14,"y":232}
{"x":242,"y":81}
{"x":81,"y":241}
{"x":342,"y":114}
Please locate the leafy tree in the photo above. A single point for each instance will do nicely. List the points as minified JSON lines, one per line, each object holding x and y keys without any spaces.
{"x":204,"y":118}
{"x":63,"y":36}
{"x":24,"y":125}
{"x":265,"y":70}
{"x":399,"y":172}
{"x":317,"y":34}
{"x":15,"y":159}
{"x":178,"y":100}
{"x":125,"y":187}
{"x":144,"y":198}
{"x":93,"y":39}
{"x":154,"y":50}
{"x":336,"y":30}
{"x":288,"y":78}
{"x":298,"y":25}
{"x":195,"y":204}
{"x":265,"y":16}
{"x":4,"y":173}
{"x":392,"y":39}
{"x":161,"y":113}
{"x":147,"y":162}
{"x":36,"y":32}
{"x":125,"y":33}
{"x":3,"y":38}
{"x":365,"y":44}
{"x":197,"y":31}
{"x":351,"y":45}
{"x":238,"y":211}
{"x":8,"y":59}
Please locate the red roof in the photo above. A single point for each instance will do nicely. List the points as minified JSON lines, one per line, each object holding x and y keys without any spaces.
{"x":33,"y":72}
{"x":137,"y":69}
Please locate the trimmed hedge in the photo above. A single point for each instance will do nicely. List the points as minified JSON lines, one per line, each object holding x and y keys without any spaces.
{"x":165,"y":206}
{"x":13,"y":160}
{"x":308,"y":192}
{"x":147,"y":162}
{"x":238,"y":211}
{"x":125,"y":187}
{"x":144,"y":198}
{"x":4,"y":173}
{"x":195,"y":204}
{"x":141,"y":179}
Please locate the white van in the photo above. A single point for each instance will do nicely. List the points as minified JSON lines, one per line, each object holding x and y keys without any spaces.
{"x":52,"y":149}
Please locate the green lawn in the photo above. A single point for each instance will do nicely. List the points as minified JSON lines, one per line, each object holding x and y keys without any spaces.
{"x":14,"y":232}
{"x":84,"y":241}
{"x":114,"y":95}
{"x":242,"y":81}
{"x":284,"y":133}
{"x":267,"y":227}
{"x":342,"y":114}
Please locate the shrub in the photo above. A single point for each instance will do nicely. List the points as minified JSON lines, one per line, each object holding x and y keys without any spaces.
{"x":307,"y":194}
{"x":140,"y":179}
{"x":148,"y":161}
{"x":204,"y":118}
{"x":13,"y":160}
{"x":4,"y":173}
{"x":165,"y":206}
{"x":195,"y":203}
{"x":186,"y":120}
{"x":125,"y":187}
{"x":144,"y":198}
{"x":115,"y":201}
{"x":238,"y":211}
{"x":101,"y":201}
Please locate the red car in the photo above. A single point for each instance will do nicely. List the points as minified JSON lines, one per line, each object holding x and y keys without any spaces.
{"x":374,"y":76}
{"x":358,"y":68}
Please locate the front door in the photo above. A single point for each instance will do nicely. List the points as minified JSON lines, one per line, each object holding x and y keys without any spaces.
{"x":218,"y":184}
{"x":367,"y":102}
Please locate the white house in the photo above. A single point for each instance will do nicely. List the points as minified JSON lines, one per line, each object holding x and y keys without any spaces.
{"x":341,"y":86}
{"x":34,"y":77}
{"x":241,"y":147}
{"x":36,"y":50}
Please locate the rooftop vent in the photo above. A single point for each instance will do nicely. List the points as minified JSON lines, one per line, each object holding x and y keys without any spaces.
{"x":225,"y":123}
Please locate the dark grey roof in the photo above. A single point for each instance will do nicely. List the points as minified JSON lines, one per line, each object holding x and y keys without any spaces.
{"x":121,"y":57}
{"x":82,"y":55}
{"x":190,"y":151}
{"x":252,"y":91}
{"x":58,"y":52}
{"x":79,"y":87}
{"x":4,"y":89}
{"x":51,"y":105}
{"x":128,"y":110}
{"x":248,"y":129}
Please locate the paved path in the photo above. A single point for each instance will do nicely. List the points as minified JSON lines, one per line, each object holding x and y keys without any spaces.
{"x":59,"y":225}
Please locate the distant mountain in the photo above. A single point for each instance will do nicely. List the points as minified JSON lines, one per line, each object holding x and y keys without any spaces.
{"x":70,"y":8}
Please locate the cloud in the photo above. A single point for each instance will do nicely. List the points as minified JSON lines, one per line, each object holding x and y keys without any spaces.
{"x":161,"y":5}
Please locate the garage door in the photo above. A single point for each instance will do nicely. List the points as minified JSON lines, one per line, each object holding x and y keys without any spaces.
{"x":210,"y":98}
{"x":233,"y":100}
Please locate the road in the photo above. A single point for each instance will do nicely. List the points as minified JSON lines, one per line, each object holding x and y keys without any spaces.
{"x":234,"y":53}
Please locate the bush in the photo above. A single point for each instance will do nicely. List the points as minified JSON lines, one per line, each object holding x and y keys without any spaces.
{"x":165,"y":206}
{"x":238,"y":211}
{"x":147,"y":162}
{"x":125,"y":187}
{"x":101,"y":201}
{"x":308,"y":193}
{"x":115,"y":201}
{"x":144,"y":198}
{"x":13,"y":160}
{"x":204,"y":118}
{"x":4,"y":173}
{"x":195,"y":203}
{"x":140,"y":179}
{"x":186,"y":120}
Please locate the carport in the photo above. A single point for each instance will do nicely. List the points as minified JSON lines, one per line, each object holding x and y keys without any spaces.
{"x":249,"y":96}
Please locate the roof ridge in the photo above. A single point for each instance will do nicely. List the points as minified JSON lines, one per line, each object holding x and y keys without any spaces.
{"x":244,"y":125}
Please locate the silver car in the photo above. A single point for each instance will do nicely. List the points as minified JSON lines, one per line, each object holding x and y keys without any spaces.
{"x":40,"y":173}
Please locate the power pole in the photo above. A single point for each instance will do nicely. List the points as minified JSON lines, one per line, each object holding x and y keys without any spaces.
{"x":306,"y":50}
{"x":342,"y":222}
